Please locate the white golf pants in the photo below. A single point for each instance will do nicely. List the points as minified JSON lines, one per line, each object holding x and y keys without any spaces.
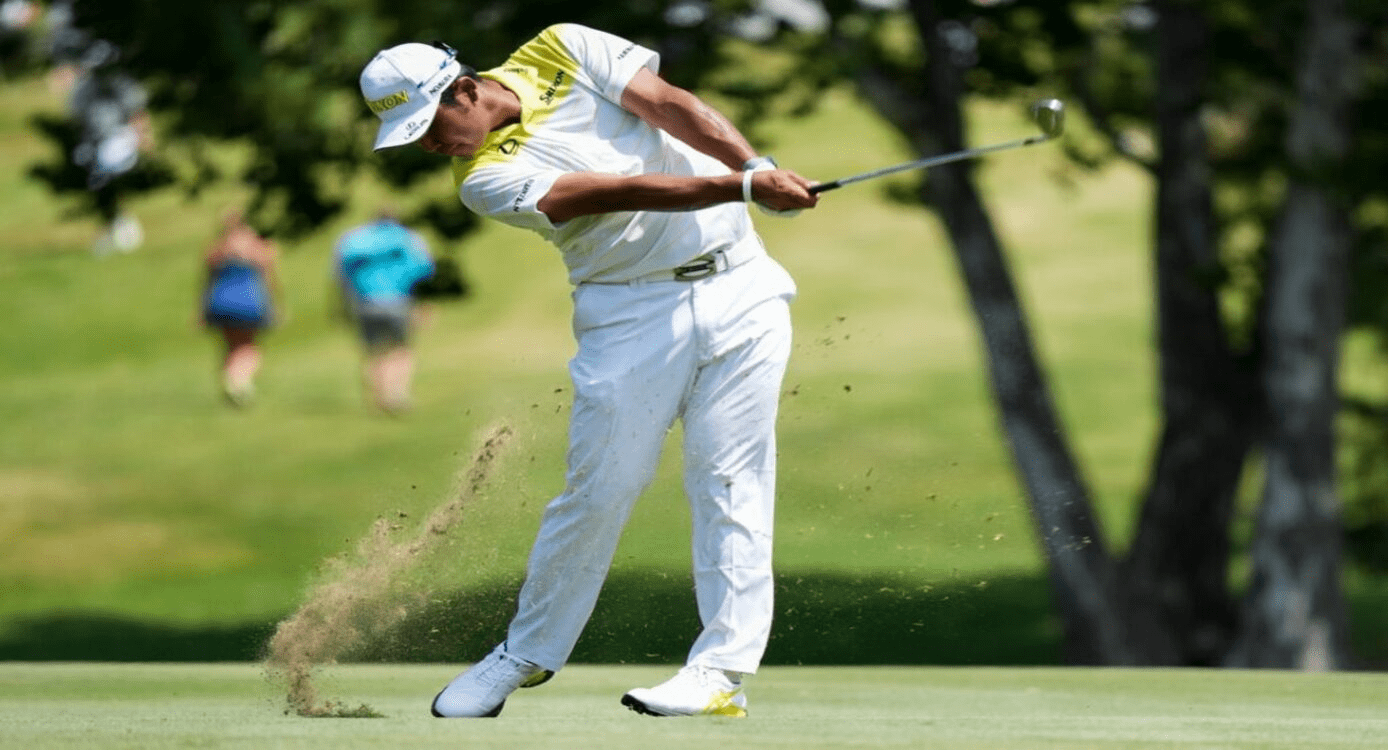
{"x":711,"y":352}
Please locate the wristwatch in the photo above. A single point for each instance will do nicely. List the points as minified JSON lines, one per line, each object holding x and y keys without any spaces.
{"x":759,"y":161}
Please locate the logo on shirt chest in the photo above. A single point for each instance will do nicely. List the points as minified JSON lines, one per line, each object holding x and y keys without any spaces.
{"x":548,"y":96}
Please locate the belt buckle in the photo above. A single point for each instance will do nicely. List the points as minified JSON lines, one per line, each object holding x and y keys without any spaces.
{"x":700,"y":267}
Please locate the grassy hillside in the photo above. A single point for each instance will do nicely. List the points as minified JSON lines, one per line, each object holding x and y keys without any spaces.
{"x":131,"y":492}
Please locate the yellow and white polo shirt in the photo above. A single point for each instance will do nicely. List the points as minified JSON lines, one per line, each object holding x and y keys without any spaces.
{"x":570,"y":80}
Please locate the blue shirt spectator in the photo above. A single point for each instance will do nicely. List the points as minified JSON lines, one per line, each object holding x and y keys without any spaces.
{"x":378,"y":265}
{"x":382,"y":261}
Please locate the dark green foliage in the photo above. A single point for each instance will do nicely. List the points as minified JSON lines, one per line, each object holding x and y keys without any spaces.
{"x":63,"y":176}
{"x":447,"y":281}
{"x":282,"y":77}
{"x":1365,"y":478}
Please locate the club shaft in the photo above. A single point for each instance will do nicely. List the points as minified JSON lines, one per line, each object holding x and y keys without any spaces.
{"x":930,"y":161}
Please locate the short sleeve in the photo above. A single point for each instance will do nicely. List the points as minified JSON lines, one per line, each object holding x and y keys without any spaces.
{"x":610,"y":61}
{"x":510,"y":194}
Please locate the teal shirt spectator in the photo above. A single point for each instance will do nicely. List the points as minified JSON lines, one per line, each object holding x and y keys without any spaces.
{"x":381,"y":262}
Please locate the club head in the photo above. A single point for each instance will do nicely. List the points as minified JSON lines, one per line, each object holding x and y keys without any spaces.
{"x":1049,"y":115}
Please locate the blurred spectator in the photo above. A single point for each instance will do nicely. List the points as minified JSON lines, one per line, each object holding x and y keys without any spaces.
{"x":18,"y":14}
{"x":109,"y":107}
{"x":239,"y":299}
{"x":103,"y":138}
{"x":66,"y":46}
{"x":16,"y":20}
{"x":378,"y":266}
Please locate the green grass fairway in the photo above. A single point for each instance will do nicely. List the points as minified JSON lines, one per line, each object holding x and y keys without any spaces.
{"x":231,"y":705}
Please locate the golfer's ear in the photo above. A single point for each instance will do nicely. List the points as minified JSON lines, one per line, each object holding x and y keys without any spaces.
{"x":455,"y":89}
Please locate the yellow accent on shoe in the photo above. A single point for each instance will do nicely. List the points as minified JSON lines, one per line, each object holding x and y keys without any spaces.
{"x":693,"y":691}
{"x":722,"y":705}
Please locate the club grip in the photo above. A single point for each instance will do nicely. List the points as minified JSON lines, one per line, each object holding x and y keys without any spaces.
{"x":821,"y":187}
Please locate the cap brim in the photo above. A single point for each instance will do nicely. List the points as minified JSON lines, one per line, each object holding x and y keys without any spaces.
{"x":409,"y":128}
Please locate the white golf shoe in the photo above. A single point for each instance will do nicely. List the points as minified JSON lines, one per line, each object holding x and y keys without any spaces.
{"x":482,"y":689}
{"x":693,"y":691}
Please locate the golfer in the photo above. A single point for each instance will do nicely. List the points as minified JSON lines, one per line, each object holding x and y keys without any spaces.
{"x":679,"y":313}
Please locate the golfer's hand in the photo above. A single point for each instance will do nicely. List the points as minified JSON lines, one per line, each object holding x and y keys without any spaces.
{"x":782,"y":192}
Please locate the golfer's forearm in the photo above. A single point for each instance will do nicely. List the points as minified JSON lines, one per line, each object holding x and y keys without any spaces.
{"x":689,"y":119}
{"x":685,"y":116}
{"x":582,"y":194}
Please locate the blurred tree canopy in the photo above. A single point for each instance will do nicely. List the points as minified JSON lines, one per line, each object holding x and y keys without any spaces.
{"x":1257,"y":121}
{"x":281,"y":78}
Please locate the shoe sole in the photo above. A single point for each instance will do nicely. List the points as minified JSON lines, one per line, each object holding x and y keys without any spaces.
{"x":640,"y":707}
{"x":636,"y":705}
{"x":492,"y":714}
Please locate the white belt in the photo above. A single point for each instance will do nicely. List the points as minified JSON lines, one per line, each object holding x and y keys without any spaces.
{"x":705,"y":265}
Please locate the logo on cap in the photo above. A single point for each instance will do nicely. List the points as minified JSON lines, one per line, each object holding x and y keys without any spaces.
{"x":389,"y":101}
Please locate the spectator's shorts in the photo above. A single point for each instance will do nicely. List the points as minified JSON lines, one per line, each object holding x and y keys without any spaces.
{"x":384,"y":325}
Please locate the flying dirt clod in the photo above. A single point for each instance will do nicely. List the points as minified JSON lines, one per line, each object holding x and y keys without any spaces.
{"x":358,"y":600}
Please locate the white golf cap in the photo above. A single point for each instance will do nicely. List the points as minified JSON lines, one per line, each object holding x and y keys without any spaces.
{"x":402,"y":86}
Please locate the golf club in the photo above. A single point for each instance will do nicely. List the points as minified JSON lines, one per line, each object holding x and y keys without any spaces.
{"x":1049,"y":115}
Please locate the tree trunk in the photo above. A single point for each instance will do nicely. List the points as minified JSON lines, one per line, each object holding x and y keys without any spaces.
{"x":1294,"y":612}
{"x":1179,"y":558}
{"x":1098,"y":628}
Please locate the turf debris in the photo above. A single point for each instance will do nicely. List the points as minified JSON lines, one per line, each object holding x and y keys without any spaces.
{"x":360,"y":598}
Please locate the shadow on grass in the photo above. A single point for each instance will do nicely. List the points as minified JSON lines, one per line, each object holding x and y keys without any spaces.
{"x":642,"y":617}
{"x":98,"y":637}
{"x":649,"y":617}
{"x":825,"y":618}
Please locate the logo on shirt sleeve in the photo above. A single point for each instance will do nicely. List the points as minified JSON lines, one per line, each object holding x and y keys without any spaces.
{"x":520,"y":197}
